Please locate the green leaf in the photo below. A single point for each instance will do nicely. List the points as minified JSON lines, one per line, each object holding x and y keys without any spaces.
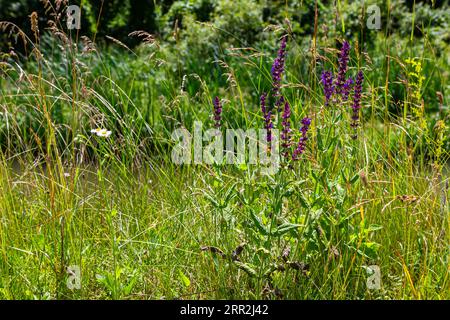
{"x":319,"y":139}
{"x":243,"y":167}
{"x":113,"y":213}
{"x":229,"y":195}
{"x":370,"y":249}
{"x":259,"y":225}
{"x":212,"y":200}
{"x":374,"y":227}
{"x":303,"y":202}
{"x":127,"y":290}
{"x":344,"y":177}
{"x":354,"y":178}
{"x":284,"y":228}
{"x":184,"y":279}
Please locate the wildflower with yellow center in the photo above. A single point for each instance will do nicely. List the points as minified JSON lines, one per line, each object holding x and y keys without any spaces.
{"x":101,"y":132}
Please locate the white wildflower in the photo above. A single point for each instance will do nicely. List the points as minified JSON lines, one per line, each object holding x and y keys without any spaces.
{"x":101,"y":132}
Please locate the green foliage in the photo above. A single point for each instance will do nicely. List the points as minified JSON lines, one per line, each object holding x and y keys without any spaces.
{"x":141,"y":227}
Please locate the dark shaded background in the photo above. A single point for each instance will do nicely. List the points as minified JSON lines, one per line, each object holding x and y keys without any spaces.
{"x":120,"y":17}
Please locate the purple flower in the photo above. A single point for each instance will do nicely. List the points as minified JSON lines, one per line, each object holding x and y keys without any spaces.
{"x":277,"y":72}
{"x":263,"y":103}
{"x":268,"y":125}
{"x":286,"y":131}
{"x":328,"y":88}
{"x":217,"y":112}
{"x":343,"y":62}
{"x":347,"y":88}
{"x":357,"y":101}
{"x":306,"y":122}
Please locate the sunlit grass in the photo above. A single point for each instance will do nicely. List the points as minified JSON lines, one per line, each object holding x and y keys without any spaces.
{"x":87,"y":178}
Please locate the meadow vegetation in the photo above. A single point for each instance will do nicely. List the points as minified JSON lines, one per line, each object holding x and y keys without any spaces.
{"x":363,"y":177}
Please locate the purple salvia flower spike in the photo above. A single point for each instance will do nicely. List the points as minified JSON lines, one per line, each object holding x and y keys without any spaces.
{"x":347,"y":88}
{"x":356,"y":105}
{"x":277,"y":72}
{"x":217,"y":112}
{"x":268,"y":125}
{"x":343,"y":63}
{"x":306,"y":122}
{"x":263,"y":103}
{"x":328,"y":88}
{"x":286,"y":131}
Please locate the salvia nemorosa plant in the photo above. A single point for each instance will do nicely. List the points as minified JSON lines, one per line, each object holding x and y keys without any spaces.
{"x":306,"y":122}
{"x":356,"y":105}
{"x":277,"y":71}
{"x":217,"y":113}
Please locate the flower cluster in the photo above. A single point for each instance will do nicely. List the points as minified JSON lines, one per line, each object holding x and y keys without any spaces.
{"x":328,"y":88}
{"x":267,"y":114}
{"x":286,"y":131}
{"x":277,"y":72}
{"x":348,"y":85}
{"x":343,"y":62}
{"x":341,"y":86}
{"x":306,"y":122}
{"x":356,"y":105}
{"x":217,"y":112}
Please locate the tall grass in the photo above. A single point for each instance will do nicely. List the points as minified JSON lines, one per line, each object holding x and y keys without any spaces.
{"x":141,"y":227}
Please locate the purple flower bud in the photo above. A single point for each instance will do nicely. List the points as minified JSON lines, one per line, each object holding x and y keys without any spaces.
{"x":217,"y":112}
{"x":306,"y":122}
{"x":343,"y":62}
{"x":286,"y":131}
{"x":328,"y":88}
{"x":357,"y":101}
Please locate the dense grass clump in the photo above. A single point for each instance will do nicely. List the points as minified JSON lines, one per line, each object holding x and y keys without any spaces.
{"x":88,"y":178}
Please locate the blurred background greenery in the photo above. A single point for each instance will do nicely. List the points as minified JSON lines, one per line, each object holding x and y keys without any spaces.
{"x":196,"y":30}
{"x":244,"y":20}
